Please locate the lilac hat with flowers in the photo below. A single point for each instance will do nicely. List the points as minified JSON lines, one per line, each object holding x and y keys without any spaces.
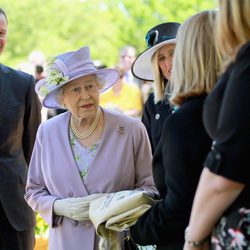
{"x":67,"y":67}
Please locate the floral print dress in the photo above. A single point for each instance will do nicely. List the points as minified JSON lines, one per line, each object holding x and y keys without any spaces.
{"x":233,"y":231}
{"x":83,"y":156}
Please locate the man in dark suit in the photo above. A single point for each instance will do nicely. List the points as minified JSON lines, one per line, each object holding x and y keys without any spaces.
{"x":20,"y":115}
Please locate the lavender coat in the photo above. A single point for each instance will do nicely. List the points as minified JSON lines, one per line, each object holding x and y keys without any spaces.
{"x":123,"y":162}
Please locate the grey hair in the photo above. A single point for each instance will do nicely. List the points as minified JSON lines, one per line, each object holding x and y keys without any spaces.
{"x":59,"y":96}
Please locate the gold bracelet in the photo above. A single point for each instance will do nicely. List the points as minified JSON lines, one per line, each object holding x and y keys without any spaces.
{"x":194,"y":244}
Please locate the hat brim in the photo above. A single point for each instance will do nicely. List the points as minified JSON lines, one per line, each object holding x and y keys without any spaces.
{"x":110,"y":76}
{"x":142,"y":66}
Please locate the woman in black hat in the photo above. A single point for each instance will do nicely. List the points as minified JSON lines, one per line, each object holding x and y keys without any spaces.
{"x":155,"y":64}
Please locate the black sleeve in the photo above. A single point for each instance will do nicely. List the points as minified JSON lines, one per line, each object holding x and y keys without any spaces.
{"x":231,"y":145}
{"x":146,"y":117}
{"x":177,"y":166}
{"x":32,"y":118}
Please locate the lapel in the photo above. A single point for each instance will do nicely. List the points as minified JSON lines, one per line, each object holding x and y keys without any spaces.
{"x":4,"y":81}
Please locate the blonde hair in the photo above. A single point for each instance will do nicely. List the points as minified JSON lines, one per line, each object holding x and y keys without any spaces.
{"x":233,"y":29}
{"x":196,"y":61}
{"x":159,"y":84}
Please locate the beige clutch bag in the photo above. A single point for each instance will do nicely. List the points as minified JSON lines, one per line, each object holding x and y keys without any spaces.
{"x":116,"y":212}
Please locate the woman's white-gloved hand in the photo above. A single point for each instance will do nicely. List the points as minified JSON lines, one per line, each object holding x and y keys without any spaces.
{"x":75,"y":208}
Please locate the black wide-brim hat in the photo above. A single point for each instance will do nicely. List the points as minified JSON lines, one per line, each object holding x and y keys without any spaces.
{"x":156,"y":38}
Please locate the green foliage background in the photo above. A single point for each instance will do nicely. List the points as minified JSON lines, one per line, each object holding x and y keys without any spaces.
{"x":56,"y":26}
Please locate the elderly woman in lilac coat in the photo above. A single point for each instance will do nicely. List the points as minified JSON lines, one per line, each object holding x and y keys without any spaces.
{"x":83,"y":152}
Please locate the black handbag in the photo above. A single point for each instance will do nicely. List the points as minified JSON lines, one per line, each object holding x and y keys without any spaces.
{"x":129,"y":244}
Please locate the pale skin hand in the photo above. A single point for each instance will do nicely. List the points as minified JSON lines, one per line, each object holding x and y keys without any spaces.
{"x":213,"y":196}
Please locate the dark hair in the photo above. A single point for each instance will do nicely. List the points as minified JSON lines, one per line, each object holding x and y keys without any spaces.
{"x":3,"y":13}
{"x":39,"y":69}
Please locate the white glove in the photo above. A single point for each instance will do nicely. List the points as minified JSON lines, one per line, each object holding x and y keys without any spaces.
{"x":74,"y":208}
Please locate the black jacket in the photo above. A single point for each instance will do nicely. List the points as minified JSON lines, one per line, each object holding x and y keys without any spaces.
{"x":227,"y":120}
{"x":177,"y":164}
{"x":153,"y":117}
{"x":20,"y":115}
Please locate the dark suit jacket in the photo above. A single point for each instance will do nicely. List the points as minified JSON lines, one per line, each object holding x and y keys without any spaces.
{"x":20,"y":115}
{"x":153,"y":117}
{"x":177,"y":164}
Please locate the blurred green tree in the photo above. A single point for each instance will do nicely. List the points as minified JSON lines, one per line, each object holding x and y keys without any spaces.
{"x":55,"y":26}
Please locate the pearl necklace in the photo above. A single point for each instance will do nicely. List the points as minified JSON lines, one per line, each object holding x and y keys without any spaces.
{"x":90,"y":131}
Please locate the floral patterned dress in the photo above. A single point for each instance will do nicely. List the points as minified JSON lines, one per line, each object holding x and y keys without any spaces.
{"x":233,"y":231}
{"x":83,"y":156}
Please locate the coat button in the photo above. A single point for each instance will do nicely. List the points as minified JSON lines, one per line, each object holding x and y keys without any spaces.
{"x":157,"y":116}
{"x":217,"y":156}
{"x":213,"y":144}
